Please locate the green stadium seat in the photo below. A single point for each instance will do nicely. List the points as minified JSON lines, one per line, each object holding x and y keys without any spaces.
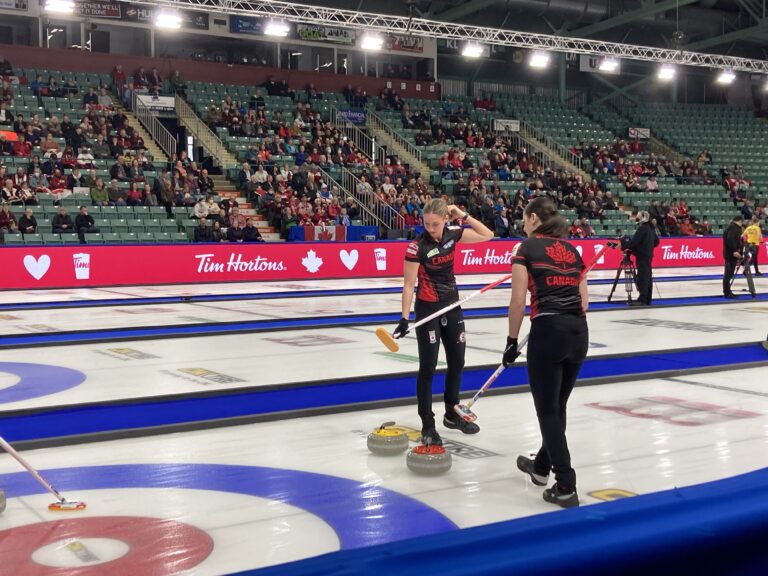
{"x":14,"y":239}
{"x":51,"y":238}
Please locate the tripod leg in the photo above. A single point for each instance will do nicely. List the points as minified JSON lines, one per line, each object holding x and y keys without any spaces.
{"x":735,"y":272}
{"x":615,"y":281}
{"x":630,"y":280}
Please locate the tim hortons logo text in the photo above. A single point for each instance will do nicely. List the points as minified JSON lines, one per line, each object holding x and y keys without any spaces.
{"x":471,"y":257}
{"x":207,"y":265}
{"x":685,"y":253}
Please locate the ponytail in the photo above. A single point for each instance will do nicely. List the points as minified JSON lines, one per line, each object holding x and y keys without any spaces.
{"x":552,"y":223}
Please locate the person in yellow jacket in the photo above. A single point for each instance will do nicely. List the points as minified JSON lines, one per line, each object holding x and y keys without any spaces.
{"x":753,"y":237}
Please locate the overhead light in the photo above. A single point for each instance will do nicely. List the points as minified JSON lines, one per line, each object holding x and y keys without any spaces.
{"x":296,"y":53}
{"x":609,"y":65}
{"x":60,"y":6}
{"x":667,"y":72}
{"x":539,"y":60}
{"x":276,"y":28}
{"x":472,"y":50}
{"x":372,"y":42}
{"x":168,"y":20}
{"x":726,"y":77}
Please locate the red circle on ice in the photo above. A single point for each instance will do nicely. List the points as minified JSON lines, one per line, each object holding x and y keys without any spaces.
{"x":156,"y":546}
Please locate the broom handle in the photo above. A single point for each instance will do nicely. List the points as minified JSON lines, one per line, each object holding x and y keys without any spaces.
{"x":460,"y":302}
{"x":35,"y":474}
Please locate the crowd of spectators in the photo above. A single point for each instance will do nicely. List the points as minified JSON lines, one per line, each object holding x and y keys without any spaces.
{"x":291,"y":194}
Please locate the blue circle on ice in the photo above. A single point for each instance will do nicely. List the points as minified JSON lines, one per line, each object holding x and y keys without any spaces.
{"x":37,"y":380}
{"x":360,"y":514}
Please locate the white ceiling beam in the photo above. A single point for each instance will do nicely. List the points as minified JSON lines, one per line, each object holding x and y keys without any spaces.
{"x":385,"y":23}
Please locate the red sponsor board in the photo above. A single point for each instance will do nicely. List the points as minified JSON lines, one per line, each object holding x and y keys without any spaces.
{"x":30,"y":267}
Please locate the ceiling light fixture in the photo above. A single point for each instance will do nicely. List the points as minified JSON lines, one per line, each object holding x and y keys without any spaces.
{"x":372,"y":42}
{"x":667,"y":72}
{"x":726,"y":77}
{"x":168,"y":20}
{"x":539,"y":60}
{"x":276,"y":28}
{"x":60,"y":6}
{"x":608,"y":65}
{"x":472,"y":50}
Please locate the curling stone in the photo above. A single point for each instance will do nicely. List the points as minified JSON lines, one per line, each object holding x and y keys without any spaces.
{"x":386,"y":441}
{"x":428,"y":460}
{"x":2,"y":501}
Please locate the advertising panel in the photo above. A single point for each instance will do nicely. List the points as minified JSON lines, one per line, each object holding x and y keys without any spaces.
{"x":31,"y":267}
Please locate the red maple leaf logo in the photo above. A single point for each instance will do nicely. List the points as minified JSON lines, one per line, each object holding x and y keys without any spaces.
{"x":325,"y":235}
{"x":560,"y":254}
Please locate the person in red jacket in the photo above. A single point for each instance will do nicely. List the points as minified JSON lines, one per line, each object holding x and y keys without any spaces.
{"x":8,"y":222}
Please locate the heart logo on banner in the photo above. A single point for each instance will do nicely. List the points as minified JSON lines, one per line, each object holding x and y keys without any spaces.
{"x":349,"y":259}
{"x":37,"y":267}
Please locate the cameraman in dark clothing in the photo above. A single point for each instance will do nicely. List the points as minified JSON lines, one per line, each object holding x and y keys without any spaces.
{"x":732,"y":245}
{"x":641,"y":246}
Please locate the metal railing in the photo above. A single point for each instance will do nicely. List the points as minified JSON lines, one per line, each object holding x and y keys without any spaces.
{"x":562,"y":152}
{"x":367,"y":216}
{"x":160,"y":134}
{"x":364,"y":194}
{"x":534,"y":152}
{"x":360,"y":139}
{"x":205,"y":136}
{"x":377,"y":123}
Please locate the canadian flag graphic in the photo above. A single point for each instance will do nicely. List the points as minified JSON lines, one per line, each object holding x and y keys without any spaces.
{"x":338,"y":233}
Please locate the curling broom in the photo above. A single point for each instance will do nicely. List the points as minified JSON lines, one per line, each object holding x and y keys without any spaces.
{"x":63,"y":504}
{"x":389,"y":339}
{"x":465,"y":410}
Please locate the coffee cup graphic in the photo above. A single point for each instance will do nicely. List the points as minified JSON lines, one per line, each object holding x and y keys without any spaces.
{"x":82,"y":263}
{"x":380,"y":254}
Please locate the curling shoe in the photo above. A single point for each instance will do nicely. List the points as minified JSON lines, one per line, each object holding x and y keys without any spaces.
{"x":430,"y":437}
{"x":564,"y":499}
{"x":526,"y":466}
{"x":460,"y":424}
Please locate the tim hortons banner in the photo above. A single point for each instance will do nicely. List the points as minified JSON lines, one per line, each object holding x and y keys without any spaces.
{"x":32,"y":267}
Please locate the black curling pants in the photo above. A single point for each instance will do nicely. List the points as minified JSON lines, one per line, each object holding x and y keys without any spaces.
{"x":730,"y":270}
{"x":754,"y":250}
{"x":557,"y":347}
{"x":644,"y":281}
{"x":448,"y":329}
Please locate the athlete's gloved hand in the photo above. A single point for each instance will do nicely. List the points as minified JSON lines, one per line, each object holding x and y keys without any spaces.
{"x":402,"y":328}
{"x":510,"y":352}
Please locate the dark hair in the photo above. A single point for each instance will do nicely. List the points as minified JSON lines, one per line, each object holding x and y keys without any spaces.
{"x":552,"y":223}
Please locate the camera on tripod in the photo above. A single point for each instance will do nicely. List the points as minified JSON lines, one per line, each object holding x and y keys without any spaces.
{"x":624,"y":242}
{"x":626,"y":268}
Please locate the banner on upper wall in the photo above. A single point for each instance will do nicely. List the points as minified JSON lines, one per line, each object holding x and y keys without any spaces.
{"x":32,"y":267}
{"x":191,"y":20}
{"x":99,"y":9}
{"x":20,"y":5}
{"x":246,"y":25}
{"x":454,"y":46}
{"x":405,"y":43}
{"x":316,"y":33}
{"x":354,"y":115}
{"x":589,"y":63}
